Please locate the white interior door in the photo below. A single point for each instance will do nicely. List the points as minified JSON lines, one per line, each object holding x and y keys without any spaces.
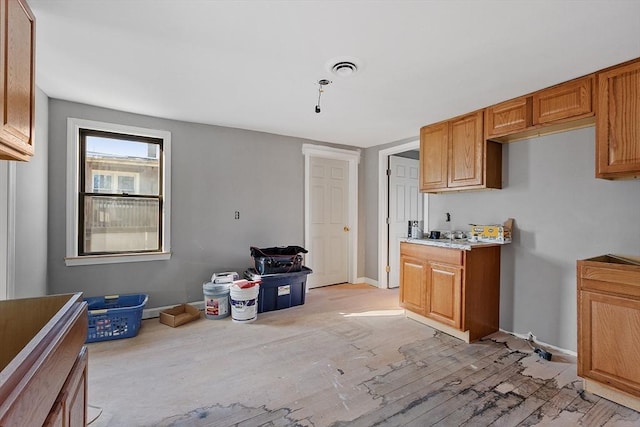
{"x":405,"y":204}
{"x":329,"y":228}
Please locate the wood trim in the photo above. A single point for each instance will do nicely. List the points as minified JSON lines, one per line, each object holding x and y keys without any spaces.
{"x":612,"y":394}
{"x":456,"y":333}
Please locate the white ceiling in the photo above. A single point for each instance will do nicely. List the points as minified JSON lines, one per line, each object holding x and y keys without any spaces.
{"x":255,"y":64}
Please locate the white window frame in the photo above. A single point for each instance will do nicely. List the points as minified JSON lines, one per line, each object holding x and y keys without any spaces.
{"x":73,"y":181}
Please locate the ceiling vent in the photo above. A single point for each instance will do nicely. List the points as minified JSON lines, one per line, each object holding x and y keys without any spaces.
{"x":344,"y":69}
{"x":344,"y":66}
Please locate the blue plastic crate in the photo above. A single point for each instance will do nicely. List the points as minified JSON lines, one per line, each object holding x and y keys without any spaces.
{"x":280,"y":290}
{"x":114,"y":316}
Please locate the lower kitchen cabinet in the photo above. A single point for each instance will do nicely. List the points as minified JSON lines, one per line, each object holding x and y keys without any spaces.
{"x":70,"y":407}
{"x":609,"y":328}
{"x":444,"y":291}
{"x":43,"y":361}
{"x":413,"y":276}
{"x":456,"y":291}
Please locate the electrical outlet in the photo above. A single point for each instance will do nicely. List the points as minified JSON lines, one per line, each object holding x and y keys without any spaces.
{"x":237,"y":215}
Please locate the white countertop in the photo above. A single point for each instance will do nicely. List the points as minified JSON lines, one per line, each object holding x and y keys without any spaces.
{"x":463,"y":244}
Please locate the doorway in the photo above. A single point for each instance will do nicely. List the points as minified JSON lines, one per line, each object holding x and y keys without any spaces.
{"x":385,"y":204}
{"x":7,"y":229}
{"x":331,"y":214}
{"x":405,"y":204}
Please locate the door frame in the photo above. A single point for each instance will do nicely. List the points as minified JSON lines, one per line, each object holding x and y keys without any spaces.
{"x":7,"y":230}
{"x":383,"y":206}
{"x":352,"y":157}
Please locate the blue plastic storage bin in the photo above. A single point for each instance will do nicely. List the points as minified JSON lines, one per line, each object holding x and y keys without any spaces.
{"x":282,"y":290}
{"x":114,"y":316}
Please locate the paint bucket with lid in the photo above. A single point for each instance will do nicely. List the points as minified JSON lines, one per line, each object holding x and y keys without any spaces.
{"x":216,"y":300}
{"x":244,"y":300}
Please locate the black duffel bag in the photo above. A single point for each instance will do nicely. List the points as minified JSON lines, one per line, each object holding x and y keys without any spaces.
{"x":282,"y":259}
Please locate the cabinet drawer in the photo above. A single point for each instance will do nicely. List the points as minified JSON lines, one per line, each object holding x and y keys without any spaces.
{"x":564,"y":101}
{"x":432,"y":253}
{"x":609,"y":278}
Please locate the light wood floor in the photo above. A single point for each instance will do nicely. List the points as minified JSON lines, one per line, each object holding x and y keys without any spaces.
{"x":347,"y":357}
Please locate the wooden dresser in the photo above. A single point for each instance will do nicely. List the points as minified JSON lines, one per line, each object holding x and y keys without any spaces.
{"x":43,"y":361}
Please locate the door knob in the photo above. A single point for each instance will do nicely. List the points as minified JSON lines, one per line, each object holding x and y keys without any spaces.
{"x":346,"y":229}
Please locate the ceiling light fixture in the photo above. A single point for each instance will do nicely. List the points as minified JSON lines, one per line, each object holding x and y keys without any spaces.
{"x":321,"y":83}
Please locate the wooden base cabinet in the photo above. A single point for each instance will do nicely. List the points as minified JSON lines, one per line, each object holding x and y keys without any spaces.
{"x":453,"y":290}
{"x":43,"y":361}
{"x":69,"y":409}
{"x":609,"y":328}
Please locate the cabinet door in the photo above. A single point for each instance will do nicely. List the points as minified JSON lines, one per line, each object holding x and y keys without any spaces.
{"x":17,"y":78}
{"x":569,"y":100}
{"x":76,"y":389}
{"x":618,"y":122}
{"x":56,"y":416}
{"x":444,"y":294}
{"x":466,"y":151}
{"x":609,"y":340}
{"x":509,"y":117}
{"x":70,"y":409}
{"x":433,"y":157}
{"x":412,"y":284}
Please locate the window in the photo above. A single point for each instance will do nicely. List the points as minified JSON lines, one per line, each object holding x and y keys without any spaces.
{"x":118,"y":199}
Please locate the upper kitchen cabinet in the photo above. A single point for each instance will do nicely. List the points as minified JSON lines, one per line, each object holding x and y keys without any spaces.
{"x":568,"y":101}
{"x":618,"y":122}
{"x":433,"y":156}
{"x":556,"y":109}
{"x":17,"y":75}
{"x":509,"y":117}
{"x":454,"y":156}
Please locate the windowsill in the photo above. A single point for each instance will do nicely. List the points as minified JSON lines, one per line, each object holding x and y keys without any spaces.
{"x":116,"y":259}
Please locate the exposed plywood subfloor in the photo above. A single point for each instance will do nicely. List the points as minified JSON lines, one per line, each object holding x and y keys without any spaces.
{"x":347,"y":357}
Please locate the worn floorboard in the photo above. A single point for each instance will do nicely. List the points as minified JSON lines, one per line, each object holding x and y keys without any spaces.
{"x":347,"y":357}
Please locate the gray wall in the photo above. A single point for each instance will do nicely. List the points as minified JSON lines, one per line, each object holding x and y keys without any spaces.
{"x":369,"y":205}
{"x":413,"y":154}
{"x":215,"y":171}
{"x":31,"y":211}
{"x":562,"y":214}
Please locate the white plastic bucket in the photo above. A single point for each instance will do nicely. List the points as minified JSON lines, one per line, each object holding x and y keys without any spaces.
{"x":244,"y":303}
{"x":216,"y":300}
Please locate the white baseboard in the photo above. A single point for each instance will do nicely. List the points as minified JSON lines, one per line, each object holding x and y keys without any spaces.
{"x":151,"y":313}
{"x":368,"y":281}
{"x":543,"y":344}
